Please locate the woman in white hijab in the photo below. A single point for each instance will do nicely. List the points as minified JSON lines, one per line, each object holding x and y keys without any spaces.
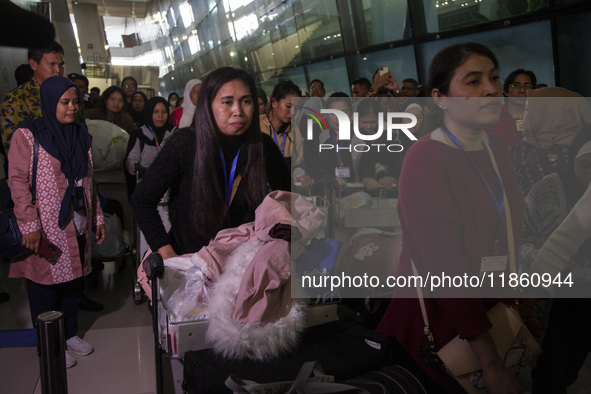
{"x":184,"y":115}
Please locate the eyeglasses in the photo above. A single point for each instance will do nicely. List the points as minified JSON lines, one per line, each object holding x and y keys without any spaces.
{"x":518,"y":85}
{"x":130,"y":85}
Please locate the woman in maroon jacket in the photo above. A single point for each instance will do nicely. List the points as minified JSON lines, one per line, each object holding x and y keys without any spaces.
{"x":452,"y":213}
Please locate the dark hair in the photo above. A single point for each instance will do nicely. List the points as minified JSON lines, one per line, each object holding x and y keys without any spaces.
{"x":108,"y":92}
{"x":511,"y":78}
{"x":73,"y":76}
{"x":126,"y":78}
{"x":95,"y":89}
{"x":319,"y":81}
{"x":23,"y":73}
{"x":339,"y":96}
{"x":413,"y":81}
{"x":363,"y":82}
{"x":139,"y":117}
{"x":141,"y":94}
{"x":36,"y":54}
{"x":175,"y":93}
{"x":444,"y":64}
{"x":208,"y":191}
{"x":263,"y":95}
{"x":367,"y":106}
{"x":283,"y":89}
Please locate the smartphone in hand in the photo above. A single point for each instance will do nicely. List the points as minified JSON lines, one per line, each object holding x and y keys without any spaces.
{"x":383,"y":70}
{"x":49,"y":251}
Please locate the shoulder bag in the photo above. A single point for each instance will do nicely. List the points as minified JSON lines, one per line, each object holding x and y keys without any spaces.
{"x":515,"y":344}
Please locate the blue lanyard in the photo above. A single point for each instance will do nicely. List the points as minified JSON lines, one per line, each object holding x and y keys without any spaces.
{"x":155,"y":139}
{"x":499,"y":201}
{"x":338,"y":144}
{"x":229,"y":182}
{"x":275,"y":137}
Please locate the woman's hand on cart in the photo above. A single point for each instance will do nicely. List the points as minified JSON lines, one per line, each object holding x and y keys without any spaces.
{"x":167,"y":252}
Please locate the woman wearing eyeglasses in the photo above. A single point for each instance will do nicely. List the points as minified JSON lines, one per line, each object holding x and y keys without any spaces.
{"x":112,"y":109}
{"x":510,"y":124}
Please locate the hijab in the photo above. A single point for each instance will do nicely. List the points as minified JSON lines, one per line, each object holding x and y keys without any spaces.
{"x":148,"y":112}
{"x":554,"y":116}
{"x":188,"y":106}
{"x":573,"y":188}
{"x":68,"y":143}
{"x":138,"y":116}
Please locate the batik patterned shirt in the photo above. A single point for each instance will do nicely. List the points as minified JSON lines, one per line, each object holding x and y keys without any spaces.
{"x":22,"y":103}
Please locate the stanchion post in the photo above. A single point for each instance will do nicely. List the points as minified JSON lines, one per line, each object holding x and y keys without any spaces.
{"x":52,"y":353}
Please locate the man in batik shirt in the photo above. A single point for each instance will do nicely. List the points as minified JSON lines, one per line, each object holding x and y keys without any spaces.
{"x":24,"y":102}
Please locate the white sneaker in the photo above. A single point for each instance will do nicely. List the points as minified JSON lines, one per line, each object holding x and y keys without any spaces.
{"x":79,"y":346}
{"x":70,"y":360}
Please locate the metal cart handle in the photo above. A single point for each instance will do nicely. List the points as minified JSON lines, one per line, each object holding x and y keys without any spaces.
{"x":154,"y":266}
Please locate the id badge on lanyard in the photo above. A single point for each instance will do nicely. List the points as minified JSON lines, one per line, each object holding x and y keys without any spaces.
{"x":342,"y":172}
{"x":493,"y":263}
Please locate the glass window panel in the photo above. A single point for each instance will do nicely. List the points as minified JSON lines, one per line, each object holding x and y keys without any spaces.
{"x":574,"y":58}
{"x":267,"y":81}
{"x":194,"y":45}
{"x":234,"y":5}
{"x":210,"y":4}
{"x":244,"y":26}
{"x":284,"y":38}
{"x":297,"y":75}
{"x":186,"y":14}
{"x":441,"y":15}
{"x":221,"y":22}
{"x":400,"y":61}
{"x":382,"y":21}
{"x":204,"y":30}
{"x":214,"y":28}
{"x":172,"y":15}
{"x":231,"y":55}
{"x":513,"y":46}
{"x":262,"y":50}
{"x":319,"y":29}
{"x":265,"y":6}
{"x":333,"y":73}
{"x":199,"y":9}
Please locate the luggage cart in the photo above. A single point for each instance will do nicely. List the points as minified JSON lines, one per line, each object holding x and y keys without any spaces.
{"x":153,"y":266}
{"x":139,"y":296}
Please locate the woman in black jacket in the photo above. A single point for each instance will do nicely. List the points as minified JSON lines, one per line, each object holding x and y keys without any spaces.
{"x":218,"y":171}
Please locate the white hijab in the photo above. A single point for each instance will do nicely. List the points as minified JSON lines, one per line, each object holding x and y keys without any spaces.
{"x":188,"y":106}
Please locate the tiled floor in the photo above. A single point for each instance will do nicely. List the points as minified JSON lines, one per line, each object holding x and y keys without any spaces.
{"x":123,"y":359}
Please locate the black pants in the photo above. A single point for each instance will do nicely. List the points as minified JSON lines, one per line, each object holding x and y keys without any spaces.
{"x":63,"y":297}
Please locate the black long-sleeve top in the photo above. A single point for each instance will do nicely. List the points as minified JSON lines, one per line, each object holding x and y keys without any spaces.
{"x":173,"y":169}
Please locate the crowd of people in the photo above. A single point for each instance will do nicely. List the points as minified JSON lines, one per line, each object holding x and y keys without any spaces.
{"x":212,"y":156}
